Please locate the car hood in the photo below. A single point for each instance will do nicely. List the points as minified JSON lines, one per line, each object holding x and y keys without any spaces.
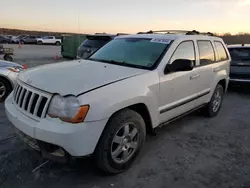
{"x":76,"y":77}
{"x":8,"y":64}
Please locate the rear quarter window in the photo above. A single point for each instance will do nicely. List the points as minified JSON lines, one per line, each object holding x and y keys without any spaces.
{"x":221,"y":51}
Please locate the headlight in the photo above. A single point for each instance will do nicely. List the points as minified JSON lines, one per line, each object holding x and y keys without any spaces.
{"x":15,"y":69}
{"x":67,"y":109}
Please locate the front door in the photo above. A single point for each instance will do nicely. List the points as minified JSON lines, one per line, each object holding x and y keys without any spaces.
{"x":178,"y":90}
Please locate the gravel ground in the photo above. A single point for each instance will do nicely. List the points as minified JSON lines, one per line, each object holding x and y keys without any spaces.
{"x":191,"y":152}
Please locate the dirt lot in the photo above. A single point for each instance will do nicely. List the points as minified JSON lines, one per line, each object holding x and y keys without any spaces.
{"x":192,"y":152}
{"x":33,"y":55}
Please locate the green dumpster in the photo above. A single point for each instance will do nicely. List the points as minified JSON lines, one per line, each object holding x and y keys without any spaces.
{"x":70,"y":43}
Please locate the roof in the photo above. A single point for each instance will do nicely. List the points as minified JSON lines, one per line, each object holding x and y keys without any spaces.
{"x":171,"y":36}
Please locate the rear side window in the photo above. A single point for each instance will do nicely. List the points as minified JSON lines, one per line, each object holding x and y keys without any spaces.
{"x":184,"y":51}
{"x":222,"y":54}
{"x":206,"y":51}
{"x":95,"y":43}
{"x":240,"y":54}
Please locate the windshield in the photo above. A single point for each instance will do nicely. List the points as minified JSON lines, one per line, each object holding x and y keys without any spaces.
{"x":134,"y":52}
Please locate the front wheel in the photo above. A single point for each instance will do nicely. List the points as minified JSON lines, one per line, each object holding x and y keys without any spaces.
{"x":120,"y":142}
{"x":7,"y":58}
{"x":58,"y":43}
{"x":5,"y":89}
{"x":214,"y":106}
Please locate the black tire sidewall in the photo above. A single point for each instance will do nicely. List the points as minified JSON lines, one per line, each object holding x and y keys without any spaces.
{"x":211,"y":113}
{"x":8,"y":89}
{"x":8,"y":58}
{"x":104,"y":147}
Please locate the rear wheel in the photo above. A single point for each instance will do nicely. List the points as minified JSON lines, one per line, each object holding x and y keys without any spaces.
{"x":214,"y":106}
{"x":58,"y":43}
{"x":5,"y":89}
{"x":120,"y":142}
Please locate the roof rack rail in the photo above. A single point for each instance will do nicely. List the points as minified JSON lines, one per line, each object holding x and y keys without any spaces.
{"x":194,"y":32}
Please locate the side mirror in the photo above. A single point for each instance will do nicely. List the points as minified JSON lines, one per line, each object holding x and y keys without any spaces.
{"x":180,"y":65}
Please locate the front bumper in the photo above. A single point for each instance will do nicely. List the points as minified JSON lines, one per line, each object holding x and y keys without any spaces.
{"x":76,"y":139}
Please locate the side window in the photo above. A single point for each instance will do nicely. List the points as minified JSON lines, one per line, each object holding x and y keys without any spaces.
{"x":222,"y":54}
{"x":184,"y":51}
{"x":50,"y":37}
{"x":206,"y":51}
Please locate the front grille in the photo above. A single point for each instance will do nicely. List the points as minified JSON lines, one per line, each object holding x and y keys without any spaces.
{"x":31,"y":101}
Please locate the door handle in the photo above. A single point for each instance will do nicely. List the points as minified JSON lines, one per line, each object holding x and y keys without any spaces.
{"x":217,"y":69}
{"x":194,"y":77}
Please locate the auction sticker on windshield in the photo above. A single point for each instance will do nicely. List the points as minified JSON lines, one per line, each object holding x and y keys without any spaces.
{"x":162,"y":41}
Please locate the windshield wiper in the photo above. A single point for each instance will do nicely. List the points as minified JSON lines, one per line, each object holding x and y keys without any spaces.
{"x":108,"y":61}
{"x":123,"y":63}
{"x":118,"y":62}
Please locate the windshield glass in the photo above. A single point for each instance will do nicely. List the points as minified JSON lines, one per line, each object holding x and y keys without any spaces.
{"x":134,"y":52}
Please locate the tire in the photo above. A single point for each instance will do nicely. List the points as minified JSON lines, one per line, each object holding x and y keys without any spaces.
{"x":213,"y":107}
{"x":108,"y":151}
{"x":39,"y":42}
{"x":7,"y":58}
{"x":5,"y":89}
{"x":58,"y":43}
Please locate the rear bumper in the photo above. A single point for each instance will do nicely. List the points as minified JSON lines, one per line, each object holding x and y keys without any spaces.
{"x":240,"y":80}
{"x":77,"y":140}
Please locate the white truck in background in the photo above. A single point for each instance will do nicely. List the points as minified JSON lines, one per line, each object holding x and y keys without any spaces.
{"x":49,"y":40}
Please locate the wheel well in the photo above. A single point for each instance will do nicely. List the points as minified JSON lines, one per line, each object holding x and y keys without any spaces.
{"x":143,"y":111}
{"x":5,"y":79}
{"x":223,"y":84}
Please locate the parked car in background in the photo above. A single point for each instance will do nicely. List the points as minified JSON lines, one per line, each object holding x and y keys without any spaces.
{"x":240,"y":64}
{"x":8,"y":75}
{"x":8,"y":36}
{"x":4,"y":40}
{"x":49,"y":40}
{"x":17,"y":39}
{"x":105,"y":104}
{"x":29,"y":40}
{"x":93,"y":43}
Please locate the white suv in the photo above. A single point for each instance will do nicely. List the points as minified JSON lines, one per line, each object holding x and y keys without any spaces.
{"x":104,"y":105}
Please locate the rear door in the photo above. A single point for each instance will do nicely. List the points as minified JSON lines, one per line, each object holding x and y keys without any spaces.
{"x":179,"y":91}
{"x":51,"y":40}
{"x":32,"y":39}
{"x":206,"y":59}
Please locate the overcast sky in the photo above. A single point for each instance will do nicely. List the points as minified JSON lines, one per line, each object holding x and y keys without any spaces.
{"x":89,"y":16}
